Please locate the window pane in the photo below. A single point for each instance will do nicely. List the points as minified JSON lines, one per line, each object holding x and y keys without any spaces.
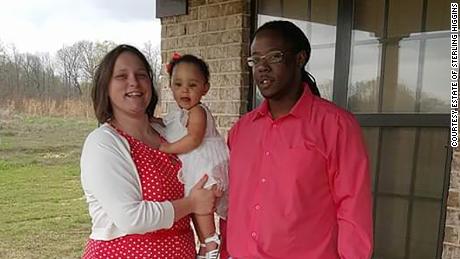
{"x":396,"y":160}
{"x":295,"y":9}
{"x":369,"y":20}
{"x":404,"y":18}
{"x":390,"y":227}
{"x":431,"y":162}
{"x":371,"y":138}
{"x":424,"y":229}
{"x":366,"y":52}
{"x":321,"y":67}
{"x":270,"y":7}
{"x":437,"y":15}
{"x":400,"y":82}
{"x":436,"y":76}
{"x":323,"y":22}
{"x":363,"y":91}
{"x":318,"y":23}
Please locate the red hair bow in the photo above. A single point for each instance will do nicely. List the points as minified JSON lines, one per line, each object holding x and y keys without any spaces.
{"x":176,"y":56}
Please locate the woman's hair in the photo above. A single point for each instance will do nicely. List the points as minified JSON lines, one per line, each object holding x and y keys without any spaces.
{"x":191,"y":59}
{"x":101,"y":81}
{"x":298,"y":41}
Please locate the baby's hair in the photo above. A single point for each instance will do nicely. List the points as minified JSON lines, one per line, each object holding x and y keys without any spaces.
{"x":294,"y":36}
{"x":202,"y":66}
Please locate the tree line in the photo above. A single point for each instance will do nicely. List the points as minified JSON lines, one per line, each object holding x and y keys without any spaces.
{"x":68,"y":73}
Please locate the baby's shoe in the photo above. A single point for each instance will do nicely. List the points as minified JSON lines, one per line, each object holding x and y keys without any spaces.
{"x":213,"y":254}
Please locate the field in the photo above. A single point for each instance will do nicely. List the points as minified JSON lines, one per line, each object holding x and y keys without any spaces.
{"x":42,"y":210}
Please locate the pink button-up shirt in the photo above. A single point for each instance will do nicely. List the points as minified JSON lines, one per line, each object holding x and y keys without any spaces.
{"x":299,"y":185}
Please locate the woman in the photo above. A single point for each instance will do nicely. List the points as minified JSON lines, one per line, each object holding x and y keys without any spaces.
{"x":135,"y":199}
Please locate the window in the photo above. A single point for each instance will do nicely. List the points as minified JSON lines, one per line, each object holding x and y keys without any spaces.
{"x":399,"y":62}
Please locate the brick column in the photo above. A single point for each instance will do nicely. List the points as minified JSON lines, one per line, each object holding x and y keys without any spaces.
{"x":219,"y":32}
{"x":451,"y":249}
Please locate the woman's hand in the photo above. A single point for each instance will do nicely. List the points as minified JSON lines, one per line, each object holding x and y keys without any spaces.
{"x":202,"y":200}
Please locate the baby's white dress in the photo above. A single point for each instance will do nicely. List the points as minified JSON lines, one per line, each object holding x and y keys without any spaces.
{"x":210,"y":158}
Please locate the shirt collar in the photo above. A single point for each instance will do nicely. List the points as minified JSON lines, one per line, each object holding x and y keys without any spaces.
{"x":261,"y":111}
{"x":300,"y":109}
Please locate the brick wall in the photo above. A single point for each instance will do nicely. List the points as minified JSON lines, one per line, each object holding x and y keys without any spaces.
{"x":451,"y":248}
{"x":217,"y":31}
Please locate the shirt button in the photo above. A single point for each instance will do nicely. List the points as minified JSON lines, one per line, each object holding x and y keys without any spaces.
{"x":275,"y":126}
{"x":254,"y":235}
{"x":257,"y":207}
{"x":267,"y":153}
{"x":263,"y":180}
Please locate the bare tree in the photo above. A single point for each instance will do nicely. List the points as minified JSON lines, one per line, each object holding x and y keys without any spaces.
{"x":3,"y":55}
{"x":31,"y":68}
{"x":17,"y":60}
{"x":69,"y":60}
{"x":103,"y":48}
{"x":153,"y":55}
{"x":88,"y":59}
{"x":91,"y":55}
{"x":5,"y":84}
{"x":49,"y":80}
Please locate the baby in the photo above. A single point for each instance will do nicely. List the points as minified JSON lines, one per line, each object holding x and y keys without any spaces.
{"x":192,"y":134}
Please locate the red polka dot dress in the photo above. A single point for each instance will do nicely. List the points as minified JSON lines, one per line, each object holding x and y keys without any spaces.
{"x":158,"y":175}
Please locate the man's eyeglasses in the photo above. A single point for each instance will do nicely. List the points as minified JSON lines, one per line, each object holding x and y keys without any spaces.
{"x":271,"y":57}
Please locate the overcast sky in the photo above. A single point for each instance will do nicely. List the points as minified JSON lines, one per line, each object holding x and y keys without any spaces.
{"x":46,"y":25}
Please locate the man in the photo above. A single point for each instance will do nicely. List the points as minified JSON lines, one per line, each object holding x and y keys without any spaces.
{"x":299,"y":178}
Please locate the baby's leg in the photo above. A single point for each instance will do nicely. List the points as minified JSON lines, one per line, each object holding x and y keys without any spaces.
{"x":205,"y":228}
{"x":202,"y":248}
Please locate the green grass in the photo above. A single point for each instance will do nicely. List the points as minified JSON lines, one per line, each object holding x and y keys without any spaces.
{"x":43,"y":213}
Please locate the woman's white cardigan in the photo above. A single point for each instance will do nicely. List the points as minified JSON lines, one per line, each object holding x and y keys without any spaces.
{"x":113,"y":191}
